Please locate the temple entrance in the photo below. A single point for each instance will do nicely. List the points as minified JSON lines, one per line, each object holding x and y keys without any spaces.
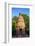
{"x":20,"y":30}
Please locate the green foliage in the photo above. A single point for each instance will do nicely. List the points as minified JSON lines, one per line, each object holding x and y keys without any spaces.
{"x":14,"y":19}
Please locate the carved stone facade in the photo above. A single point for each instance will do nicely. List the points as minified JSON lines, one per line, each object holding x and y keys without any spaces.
{"x":20,"y":25}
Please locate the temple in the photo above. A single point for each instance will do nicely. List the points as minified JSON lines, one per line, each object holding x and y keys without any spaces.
{"x":20,"y":25}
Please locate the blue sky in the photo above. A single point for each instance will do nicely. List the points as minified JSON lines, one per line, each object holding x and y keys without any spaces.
{"x":16,"y":11}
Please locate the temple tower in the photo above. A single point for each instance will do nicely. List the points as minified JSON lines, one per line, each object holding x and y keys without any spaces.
{"x":20,"y":25}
